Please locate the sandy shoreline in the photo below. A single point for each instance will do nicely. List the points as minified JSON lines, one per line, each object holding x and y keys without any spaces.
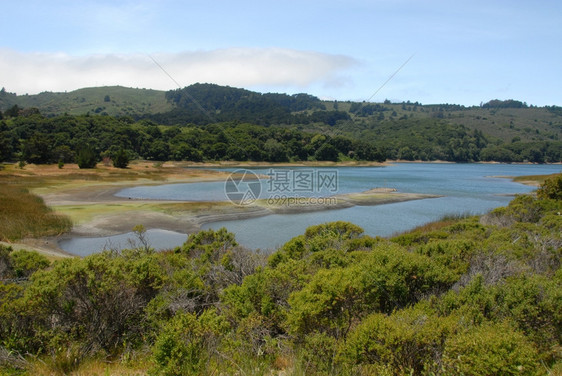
{"x":111,"y":215}
{"x":88,"y":198}
{"x":117,"y":215}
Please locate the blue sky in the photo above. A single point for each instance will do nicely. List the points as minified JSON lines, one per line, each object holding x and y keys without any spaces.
{"x":464,"y":52}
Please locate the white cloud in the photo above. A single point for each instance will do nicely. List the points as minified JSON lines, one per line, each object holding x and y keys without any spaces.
{"x":243,"y":67}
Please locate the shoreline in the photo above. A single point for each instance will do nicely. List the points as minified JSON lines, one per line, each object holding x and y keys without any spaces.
{"x":97,"y":212}
{"x":188,"y":216}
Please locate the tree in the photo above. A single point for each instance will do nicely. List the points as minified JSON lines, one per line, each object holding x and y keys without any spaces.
{"x":38,"y":149}
{"x":121,"y":159}
{"x":326,"y":152}
{"x":275,"y":151}
{"x":236,"y":153}
{"x":87,"y":157}
{"x":13,"y":111}
{"x":159,"y":151}
{"x":6,"y":148}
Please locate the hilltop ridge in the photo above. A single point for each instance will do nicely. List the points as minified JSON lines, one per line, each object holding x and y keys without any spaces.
{"x":497,"y":130}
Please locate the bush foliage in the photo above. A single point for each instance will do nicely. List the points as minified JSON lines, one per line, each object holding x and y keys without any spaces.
{"x":473,"y":296}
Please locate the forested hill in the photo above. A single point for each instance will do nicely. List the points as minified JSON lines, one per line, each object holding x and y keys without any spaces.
{"x":498,"y":130}
{"x":207,"y":103}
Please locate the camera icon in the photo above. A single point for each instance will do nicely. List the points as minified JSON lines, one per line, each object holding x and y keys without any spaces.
{"x":242,"y":187}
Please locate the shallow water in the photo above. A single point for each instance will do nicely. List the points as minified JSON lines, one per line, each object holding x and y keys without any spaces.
{"x":157,"y":238}
{"x":467,"y":188}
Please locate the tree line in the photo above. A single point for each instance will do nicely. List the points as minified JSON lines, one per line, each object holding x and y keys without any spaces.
{"x":313,"y":135}
{"x":33,"y":138}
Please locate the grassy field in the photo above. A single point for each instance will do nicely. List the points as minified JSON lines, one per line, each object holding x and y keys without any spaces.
{"x":23,"y":214}
{"x":42,"y":200}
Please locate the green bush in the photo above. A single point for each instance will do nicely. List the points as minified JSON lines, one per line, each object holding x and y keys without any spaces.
{"x":121,"y":159}
{"x":388,"y":278}
{"x":86,"y":158}
{"x":551,"y":188}
{"x":317,"y":355}
{"x":98,"y":301}
{"x":490,"y":349}
{"x":409,"y":341}
{"x":333,"y":236}
{"x":530,"y":303}
{"x":187,"y":344}
{"x":20,"y":264}
{"x":26,"y":263}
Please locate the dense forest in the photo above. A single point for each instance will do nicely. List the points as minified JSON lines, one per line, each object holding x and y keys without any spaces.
{"x":462,"y":296}
{"x":205,"y":122}
{"x":33,"y":138}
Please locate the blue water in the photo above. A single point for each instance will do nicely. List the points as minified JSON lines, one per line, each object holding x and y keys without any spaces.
{"x":157,"y":238}
{"x":467,"y":188}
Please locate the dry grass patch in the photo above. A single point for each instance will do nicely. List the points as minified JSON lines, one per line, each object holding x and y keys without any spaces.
{"x":23,"y":214}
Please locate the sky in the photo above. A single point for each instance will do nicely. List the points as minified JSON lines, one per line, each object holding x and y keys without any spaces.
{"x":427,"y":51}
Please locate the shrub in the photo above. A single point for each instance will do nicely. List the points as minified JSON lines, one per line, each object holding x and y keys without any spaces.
{"x":409,"y":341}
{"x":121,"y":159}
{"x":188,"y":343}
{"x":98,"y":301}
{"x":26,"y":263}
{"x":551,"y":188}
{"x":386,"y":279}
{"x":490,"y":349}
{"x":86,"y":158}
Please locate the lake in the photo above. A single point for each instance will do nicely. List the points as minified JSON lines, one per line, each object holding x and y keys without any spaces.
{"x":466,"y":188}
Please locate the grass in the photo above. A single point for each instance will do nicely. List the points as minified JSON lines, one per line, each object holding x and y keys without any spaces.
{"x":537,"y":179}
{"x":23,"y":214}
{"x":444,"y":221}
{"x":90,"y":367}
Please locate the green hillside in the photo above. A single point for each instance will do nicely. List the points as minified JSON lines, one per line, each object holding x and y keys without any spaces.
{"x":498,"y":130}
{"x":207,"y":103}
{"x":530,"y":124}
{"x":110,"y":100}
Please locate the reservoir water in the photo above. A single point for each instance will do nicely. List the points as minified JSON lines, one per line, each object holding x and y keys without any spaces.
{"x":466,"y":188}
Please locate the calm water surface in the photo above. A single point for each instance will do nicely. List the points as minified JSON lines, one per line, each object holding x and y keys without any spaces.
{"x":467,"y":188}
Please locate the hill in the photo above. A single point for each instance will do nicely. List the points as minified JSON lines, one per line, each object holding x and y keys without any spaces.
{"x":107,"y":100}
{"x":207,"y":103}
{"x":498,"y":130}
